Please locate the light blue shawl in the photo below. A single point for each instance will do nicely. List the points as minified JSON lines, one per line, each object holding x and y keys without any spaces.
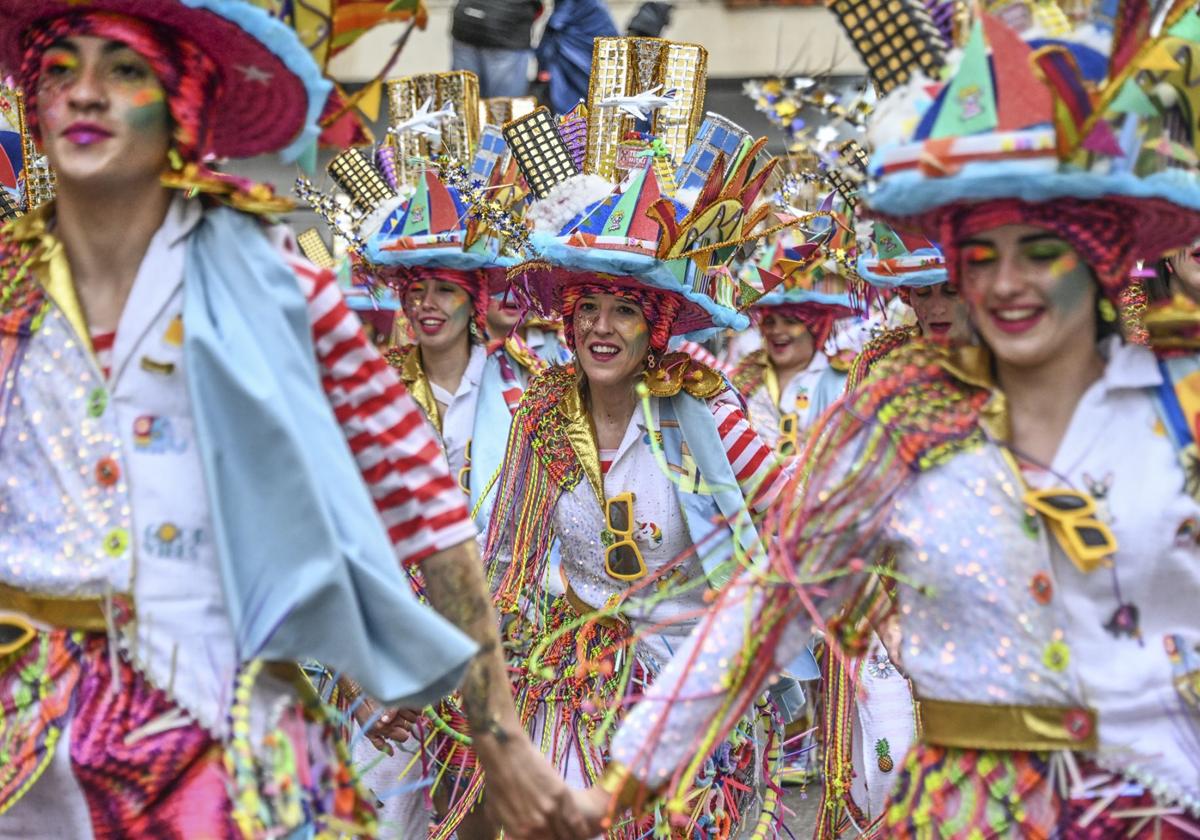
{"x":309,"y":571}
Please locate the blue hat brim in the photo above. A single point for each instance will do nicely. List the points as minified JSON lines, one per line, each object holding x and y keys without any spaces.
{"x":909,"y":199}
{"x":910,"y":280}
{"x":453,"y":258}
{"x":800,"y":297}
{"x":649,"y":270}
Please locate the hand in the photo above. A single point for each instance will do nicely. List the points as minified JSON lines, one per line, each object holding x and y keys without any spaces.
{"x":594,"y":805}
{"x":384,"y":729}
{"x":528,"y":798}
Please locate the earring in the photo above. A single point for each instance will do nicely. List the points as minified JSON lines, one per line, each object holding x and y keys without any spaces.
{"x":1107,"y":311}
{"x":651,"y":360}
{"x":473,"y":329}
{"x":175,"y":159}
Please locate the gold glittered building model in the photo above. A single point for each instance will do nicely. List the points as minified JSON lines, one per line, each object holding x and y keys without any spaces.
{"x":498,"y":110}
{"x":626,"y":70}
{"x":540,"y":151}
{"x":457,"y":132}
{"x":313,"y":246}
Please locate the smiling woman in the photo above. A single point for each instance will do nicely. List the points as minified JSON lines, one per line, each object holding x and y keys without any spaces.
{"x":1024,"y":508}
{"x":194,"y":416}
{"x":89,"y":147}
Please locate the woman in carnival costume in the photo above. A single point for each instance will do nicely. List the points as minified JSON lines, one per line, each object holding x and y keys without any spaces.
{"x":532,"y":344}
{"x":915,"y":270}
{"x":791,"y":380}
{"x":188,"y":414}
{"x":441,"y":263}
{"x":651,"y":503}
{"x":1045,"y":588}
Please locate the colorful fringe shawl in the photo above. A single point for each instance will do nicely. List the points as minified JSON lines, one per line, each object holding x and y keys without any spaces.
{"x":540,"y":465}
{"x":879,"y":346}
{"x":750,"y":372}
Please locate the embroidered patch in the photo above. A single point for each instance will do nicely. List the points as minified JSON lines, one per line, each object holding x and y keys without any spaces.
{"x":170,"y":542}
{"x":152,"y":366}
{"x":156,"y":436}
{"x":880,"y":667}
{"x":648,"y":534}
{"x":174,"y":333}
{"x":1185,"y":668}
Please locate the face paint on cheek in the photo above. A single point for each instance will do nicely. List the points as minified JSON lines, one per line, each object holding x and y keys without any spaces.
{"x":639,"y":339}
{"x":584,"y":324}
{"x":1072,"y":282}
{"x":460,"y":310}
{"x":149,"y":109}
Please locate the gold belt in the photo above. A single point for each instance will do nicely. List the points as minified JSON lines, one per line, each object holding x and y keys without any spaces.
{"x":984,"y":726}
{"x":67,"y":613}
{"x":584,"y":610}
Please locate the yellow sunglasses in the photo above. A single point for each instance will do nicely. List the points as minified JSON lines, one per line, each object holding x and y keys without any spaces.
{"x":464,"y":474}
{"x":15,"y":633}
{"x":1071,"y":516}
{"x":786,"y":445}
{"x":622,"y":558}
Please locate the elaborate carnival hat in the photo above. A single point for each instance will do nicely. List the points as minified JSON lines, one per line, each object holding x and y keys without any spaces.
{"x":641,"y":187}
{"x":900,"y":260}
{"x":1040,"y":108}
{"x":440,"y":192}
{"x":808,"y":275}
{"x":271,"y":92}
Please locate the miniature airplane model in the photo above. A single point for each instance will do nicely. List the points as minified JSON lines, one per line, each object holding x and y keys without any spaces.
{"x":643,"y":104}
{"x":425,"y":122}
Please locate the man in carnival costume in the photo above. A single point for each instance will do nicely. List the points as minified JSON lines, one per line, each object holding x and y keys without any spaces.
{"x":201,"y":459}
{"x":1032,"y":501}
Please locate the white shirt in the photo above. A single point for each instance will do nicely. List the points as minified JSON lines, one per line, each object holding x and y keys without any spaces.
{"x":458,"y":414}
{"x":660,"y":532}
{"x":795,"y":397}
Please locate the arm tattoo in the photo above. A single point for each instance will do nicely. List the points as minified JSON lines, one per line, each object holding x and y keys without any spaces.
{"x":457,"y":590}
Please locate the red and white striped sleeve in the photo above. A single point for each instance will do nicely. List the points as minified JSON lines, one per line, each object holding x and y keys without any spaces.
{"x":760,"y":472}
{"x":397,"y":450}
{"x":704,"y":356}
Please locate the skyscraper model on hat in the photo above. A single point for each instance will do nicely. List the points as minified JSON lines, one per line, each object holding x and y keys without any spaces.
{"x":1033,"y":499}
{"x":200,"y":459}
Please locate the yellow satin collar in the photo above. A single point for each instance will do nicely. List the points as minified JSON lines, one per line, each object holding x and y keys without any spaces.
{"x":582,"y":437}
{"x":414,"y":378}
{"x":56,"y":275}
